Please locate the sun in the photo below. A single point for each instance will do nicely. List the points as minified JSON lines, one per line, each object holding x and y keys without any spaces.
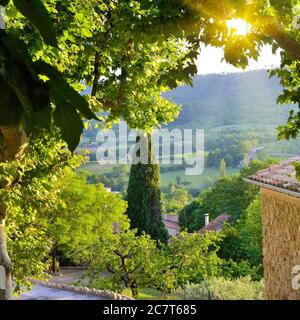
{"x":238,"y":26}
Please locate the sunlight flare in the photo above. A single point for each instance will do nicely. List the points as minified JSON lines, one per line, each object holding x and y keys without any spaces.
{"x":238,"y":26}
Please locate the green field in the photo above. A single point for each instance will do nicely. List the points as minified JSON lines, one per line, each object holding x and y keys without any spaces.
{"x":196,"y":181}
{"x":95,"y":168}
{"x":166,"y":177}
{"x":150,"y":294}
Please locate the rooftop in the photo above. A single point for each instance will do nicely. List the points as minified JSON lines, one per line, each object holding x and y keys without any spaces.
{"x":216,"y":224}
{"x":280,"y":176}
{"x":171,"y":217}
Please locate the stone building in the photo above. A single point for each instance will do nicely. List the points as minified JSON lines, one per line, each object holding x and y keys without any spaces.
{"x":281,"y":229}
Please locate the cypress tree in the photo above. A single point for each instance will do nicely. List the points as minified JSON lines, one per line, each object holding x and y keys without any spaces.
{"x":144,"y":196}
{"x":223,"y":168}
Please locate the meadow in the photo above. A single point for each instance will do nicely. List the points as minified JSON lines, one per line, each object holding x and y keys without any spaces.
{"x":166,"y":177}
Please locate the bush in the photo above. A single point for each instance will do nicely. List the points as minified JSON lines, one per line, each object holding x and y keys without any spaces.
{"x":223,"y":289}
{"x":232,"y":269}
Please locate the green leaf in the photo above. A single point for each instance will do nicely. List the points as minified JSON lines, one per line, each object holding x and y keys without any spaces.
{"x":10,"y":107}
{"x":71,"y":126}
{"x":61,"y":86}
{"x":12,"y":48}
{"x":297,"y":168}
{"x":36,"y":13}
{"x":14,"y":75}
{"x":4,"y":3}
{"x":43,"y":118}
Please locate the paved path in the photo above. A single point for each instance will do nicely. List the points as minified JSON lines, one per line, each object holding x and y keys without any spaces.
{"x":44,"y":293}
{"x":68,"y":276}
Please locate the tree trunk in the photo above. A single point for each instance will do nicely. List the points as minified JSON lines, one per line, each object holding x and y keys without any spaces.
{"x":284,"y":40}
{"x":54,"y":262}
{"x":134,"y":290}
{"x":13,"y":142}
{"x":5,"y":263}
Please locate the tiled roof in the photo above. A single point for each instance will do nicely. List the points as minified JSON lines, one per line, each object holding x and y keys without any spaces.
{"x":216,"y":224}
{"x":172,"y":225}
{"x":171,"y":218}
{"x":171,"y":221}
{"x":281,"y":175}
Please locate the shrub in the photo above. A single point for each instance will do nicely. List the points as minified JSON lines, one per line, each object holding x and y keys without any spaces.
{"x":223,"y":289}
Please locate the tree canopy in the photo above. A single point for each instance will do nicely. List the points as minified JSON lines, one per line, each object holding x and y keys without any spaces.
{"x":86,"y":44}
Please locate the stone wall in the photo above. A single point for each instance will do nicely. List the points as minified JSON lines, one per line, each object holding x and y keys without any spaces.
{"x":281,"y":231}
{"x":106,"y":294}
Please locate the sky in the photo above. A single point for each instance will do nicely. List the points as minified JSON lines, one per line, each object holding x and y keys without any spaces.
{"x":209,"y":61}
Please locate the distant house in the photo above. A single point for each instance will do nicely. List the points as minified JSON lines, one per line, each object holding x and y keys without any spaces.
{"x":171,"y":223}
{"x":252,"y":154}
{"x":215,"y":225}
{"x":281,"y":229}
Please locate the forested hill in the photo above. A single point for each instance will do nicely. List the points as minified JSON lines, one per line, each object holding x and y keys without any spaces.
{"x":218,"y":100}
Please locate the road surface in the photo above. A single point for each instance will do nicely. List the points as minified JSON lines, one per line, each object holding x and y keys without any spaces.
{"x":68,"y":276}
{"x":44,"y":293}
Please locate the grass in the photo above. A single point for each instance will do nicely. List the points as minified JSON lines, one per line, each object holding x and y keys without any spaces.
{"x":95,"y":168}
{"x":149,"y":294}
{"x":166,"y":177}
{"x":196,"y":181}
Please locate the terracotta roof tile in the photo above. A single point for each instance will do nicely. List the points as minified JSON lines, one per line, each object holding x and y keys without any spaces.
{"x":171,"y":218}
{"x":172,"y":225}
{"x":281,"y":175}
{"x":216,"y":224}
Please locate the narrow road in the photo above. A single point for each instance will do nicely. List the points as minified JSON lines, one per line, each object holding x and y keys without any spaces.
{"x":67,"y":276}
{"x":44,"y":293}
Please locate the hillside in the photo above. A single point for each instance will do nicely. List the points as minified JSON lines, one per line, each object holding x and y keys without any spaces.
{"x":238,"y":112}
{"x":229,"y":99}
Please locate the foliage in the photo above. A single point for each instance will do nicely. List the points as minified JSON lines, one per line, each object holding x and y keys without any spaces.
{"x":144,"y":197}
{"x":30,"y":86}
{"x":297,"y":168}
{"x":86,"y":212}
{"x":223,"y":289}
{"x":251,"y":233}
{"x":256,"y":166}
{"x":117,"y":180}
{"x":272,"y":22}
{"x":175,"y":198}
{"x":223,"y":168}
{"x":232,"y":269}
{"x":192,"y":258}
{"x":189,"y":216}
{"x":30,"y":196}
{"x":135,"y":52}
{"x":231,"y":195}
{"x":49,"y":48}
{"x":230,"y":146}
{"x":230,"y":247}
{"x":133,"y":262}
{"x":241,"y":248}
{"x":127,"y":71}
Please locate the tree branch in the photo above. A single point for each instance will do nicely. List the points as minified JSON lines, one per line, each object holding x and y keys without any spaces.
{"x":284,"y":40}
{"x":96,"y":74}
{"x":110,"y":269}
